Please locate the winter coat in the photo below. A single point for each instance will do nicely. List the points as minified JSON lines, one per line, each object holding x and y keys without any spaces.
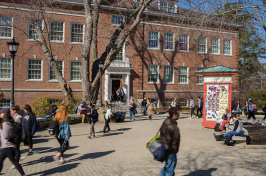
{"x":30,"y":123}
{"x":150,"y":108}
{"x":170,"y":136}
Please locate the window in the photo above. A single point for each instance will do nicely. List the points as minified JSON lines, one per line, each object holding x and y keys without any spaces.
{"x":153,"y":73}
{"x":168,"y":41}
{"x":183,"y":75}
{"x":153,"y":39}
{"x":202,"y":45}
{"x":227,"y":47}
{"x":168,"y":74}
{"x":5,"y":69}
{"x":4,"y":103}
{"x":200,"y":77}
{"x":167,"y":102}
{"x":183,"y":43}
{"x":75,"y":71}
{"x":117,"y":19}
{"x":77,"y":33}
{"x":34,"y":69}
{"x":57,"y":31}
{"x":5,"y":27}
{"x":167,"y":6}
{"x":61,"y":69}
{"x":182,"y":102}
{"x":32,"y":34}
{"x":119,"y":55}
{"x":215,"y":47}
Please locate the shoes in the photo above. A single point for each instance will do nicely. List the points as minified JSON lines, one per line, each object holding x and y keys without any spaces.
{"x":89,"y":137}
{"x":30,"y":153}
{"x":22,"y":158}
{"x":55,"y":158}
{"x":93,"y":135}
{"x":12,"y":167}
{"x":63,"y":162}
{"x":197,"y":117}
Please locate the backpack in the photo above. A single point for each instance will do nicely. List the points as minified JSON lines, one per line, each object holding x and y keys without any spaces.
{"x":255,"y":108}
{"x":53,"y":128}
{"x":201,"y":104}
{"x":217,"y":127}
{"x":229,"y":142}
{"x":17,"y":133}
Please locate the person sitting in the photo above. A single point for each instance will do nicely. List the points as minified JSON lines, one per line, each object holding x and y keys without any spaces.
{"x":53,"y":110}
{"x":226,"y":118}
{"x":236,"y":130}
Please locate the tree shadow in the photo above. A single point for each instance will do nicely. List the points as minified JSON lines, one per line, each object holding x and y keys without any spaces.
{"x":36,"y":141}
{"x":123,"y":129}
{"x":202,"y":172}
{"x":60,"y":169}
{"x":51,"y":149}
{"x":92,"y":155}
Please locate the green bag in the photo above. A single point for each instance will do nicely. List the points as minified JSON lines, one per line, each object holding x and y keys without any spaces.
{"x":157,"y":138}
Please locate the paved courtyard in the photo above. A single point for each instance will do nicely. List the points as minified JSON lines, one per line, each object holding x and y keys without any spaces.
{"x":123,"y":152}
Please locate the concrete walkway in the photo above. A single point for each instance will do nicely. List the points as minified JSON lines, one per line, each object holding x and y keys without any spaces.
{"x":123,"y":152}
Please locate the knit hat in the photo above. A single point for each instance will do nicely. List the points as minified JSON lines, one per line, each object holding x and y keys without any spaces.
{"x":5,"y":110}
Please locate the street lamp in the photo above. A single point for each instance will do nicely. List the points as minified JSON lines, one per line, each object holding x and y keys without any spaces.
{"x":101,"y":67}
{"x":13,"y":48}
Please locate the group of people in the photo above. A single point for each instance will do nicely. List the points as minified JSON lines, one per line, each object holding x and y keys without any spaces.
{"x":118,"y":95}
{"x":148,"y":107}
{"x":198,"y":105}
{"x":16,"y":126}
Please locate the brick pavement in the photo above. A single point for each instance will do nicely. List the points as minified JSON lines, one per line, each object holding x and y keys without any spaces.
{"x":122,"y":152}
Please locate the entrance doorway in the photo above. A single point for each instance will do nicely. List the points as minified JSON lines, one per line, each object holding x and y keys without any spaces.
{"x":115,"y":86}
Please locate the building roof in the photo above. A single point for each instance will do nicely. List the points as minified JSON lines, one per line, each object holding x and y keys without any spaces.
{"x":218,"y":69}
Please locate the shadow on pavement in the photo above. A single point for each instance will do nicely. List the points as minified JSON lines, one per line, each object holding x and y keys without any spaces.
{"x":36,"y":141}
{"x":202,"y":172}
{"x":50,"y":149}
{"x":60,"y":169}
{"x":92,"y":155}
{"x":123,"y":129}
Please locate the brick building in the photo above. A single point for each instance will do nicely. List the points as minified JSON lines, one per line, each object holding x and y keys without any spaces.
{"x":158,"y":60}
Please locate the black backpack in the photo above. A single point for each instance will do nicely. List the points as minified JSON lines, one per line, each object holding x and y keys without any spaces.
{"x":217,"y":127}
{"x":229,"y":141}
{"x":17,"y":133}
{"x":53,"y":128}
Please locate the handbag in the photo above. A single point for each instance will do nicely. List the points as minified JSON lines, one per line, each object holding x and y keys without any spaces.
{"x":158,"y":150}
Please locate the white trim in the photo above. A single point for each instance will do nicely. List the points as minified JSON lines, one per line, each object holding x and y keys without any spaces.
{"x":12,"y":27}
{"x":173,"y":80}
{"x":35,"y":80}
{"x":157,"y":82}
{"x":82,"y":34}
{"x":186,"y":51}
{"x":218,"y":46}
{"x":187,"y":75}
{"x":230,"y":47}
{"x":189,"y":28}
{"x":71,"y":80}
{"x":7,"y":79}
{"x":206,"y":44}
{"x":57,"y":41}
{"x":158,"y":48}
{"x":55,"y":80}
{"x":172,"y":41}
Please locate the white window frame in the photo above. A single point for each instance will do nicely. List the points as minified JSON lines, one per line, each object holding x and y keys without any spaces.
{"x":180,"y":75}
{"x":83,"y":26}
{"x":63,"y":38}
{"x":172,"y":74}
{"x":173,"y":42}
{"x":6,"y":102}
{"x":167,"y":7}
{"x":123,"y":50}
{"x":50,"y":71}
{"x":200,"y":76}
{"x":6,"y":79}
{"x":202,"y":45}
{"x":32,"y":39}
{"x":72,"y":80}
{"x":28,"y":64}
{"x":7,"y":26}
{"x":230,"y":54}
{"x":187,"y":42}
{"x":212,"y":45}
{"x":157,"y":81}
{"x":117,"y":24}
{"x":158,"y":41}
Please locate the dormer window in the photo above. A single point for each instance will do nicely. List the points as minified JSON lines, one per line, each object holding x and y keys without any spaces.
{"x":167,"y":6}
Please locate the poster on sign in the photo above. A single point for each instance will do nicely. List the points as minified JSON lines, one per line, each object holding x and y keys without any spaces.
{"x":216,"y":101}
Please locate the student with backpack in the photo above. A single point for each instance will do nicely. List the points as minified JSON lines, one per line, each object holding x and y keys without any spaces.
{"x":64,"y":133}
{"x":93,"y":118}
{"x":18,"y":129}
{"x":7,"y":144}
{"x":29,"y":127}
{"x":251,"y":109}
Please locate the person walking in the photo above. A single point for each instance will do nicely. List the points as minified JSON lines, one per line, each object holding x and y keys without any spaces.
{"x":106,"y":107}
{"x":199,"y":107}
{"x":29,"y":127}
{"x":251,"y":109}
{"x":19,"y":126}
{"x":173,"y":104}
{"x":131,"y":104}
{"x":7,"y":146}
{"x":245,"y":109}
{"x":118,"y":94}
{"x":144,"y":104}
{"x":64,"y":133}
{"x":122,"y":93}
{"x":93,"y":118}
{"x":150,"y":109}
{"x":192,"y":106}
{"x":170,"y":138}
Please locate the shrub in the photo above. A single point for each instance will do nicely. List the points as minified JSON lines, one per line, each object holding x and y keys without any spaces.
{"x":258,"y":97}
{"x":41,"y":106}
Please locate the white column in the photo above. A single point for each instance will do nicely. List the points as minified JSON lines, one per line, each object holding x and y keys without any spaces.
{"x":127,"y":87}
{"x":106,"y":87}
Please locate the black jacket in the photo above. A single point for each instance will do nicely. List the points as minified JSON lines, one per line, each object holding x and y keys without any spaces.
{"x":93,"y":117}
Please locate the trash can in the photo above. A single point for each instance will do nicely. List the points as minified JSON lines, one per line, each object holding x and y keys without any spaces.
{"x":113,"y":117}
{"x":121,"y":116}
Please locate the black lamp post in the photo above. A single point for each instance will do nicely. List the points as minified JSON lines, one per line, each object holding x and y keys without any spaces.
{"x":101,"y":67}
{"x":13,"y":48}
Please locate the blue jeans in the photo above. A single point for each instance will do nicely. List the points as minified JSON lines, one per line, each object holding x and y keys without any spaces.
{"x":131,"y":115}
{"x":145,"y":110}
{"x":230,"y":132}
{"x":170,"y":165}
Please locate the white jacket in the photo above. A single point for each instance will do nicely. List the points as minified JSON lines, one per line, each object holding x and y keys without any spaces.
{"x":108,"y":114}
